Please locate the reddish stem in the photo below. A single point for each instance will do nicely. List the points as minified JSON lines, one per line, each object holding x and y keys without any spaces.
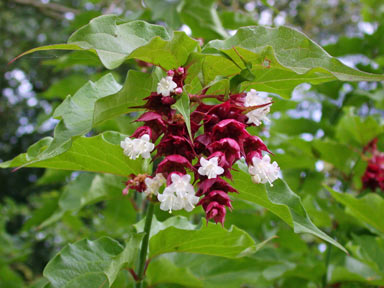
{"x":134,"y":275}
{"x":146,"y":264}
{"x":251,"y":108}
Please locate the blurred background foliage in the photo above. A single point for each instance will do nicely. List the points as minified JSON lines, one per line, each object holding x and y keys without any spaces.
{"x":317,"y":137}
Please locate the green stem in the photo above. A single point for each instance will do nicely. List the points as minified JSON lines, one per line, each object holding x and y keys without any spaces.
{"x":144,"y":245}
{"x":327,"y":259}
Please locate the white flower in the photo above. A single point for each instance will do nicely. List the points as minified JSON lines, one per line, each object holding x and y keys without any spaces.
{"x":210,"y":167}
{"x":153,"y":184}
{"x":136,"y":147}
{"x":129,"y":148}
{"x":144,"y":145}
{"x":263,"y":171}
{"x":166,"y":86}
{"x":179,"y":195}
{"x":260,"y":114}
{"x":169,"y":201}
{"x":181,"y":184}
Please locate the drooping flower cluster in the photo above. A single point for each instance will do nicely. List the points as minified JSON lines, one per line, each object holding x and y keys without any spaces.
{"x":373,"y":177}
{"x":218,"y":139}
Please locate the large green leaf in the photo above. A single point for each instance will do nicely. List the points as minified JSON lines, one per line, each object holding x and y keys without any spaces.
{"x":137,"y":86}
{"x":115,"y":41}
{"x":76,"y":119}
{"x":177,"y":234}
{"x":101,"y":153}
{"x":91,"y":263}
{"x":76,"y":113}
{"x":210,"y":240}
{"x":368,"y":209}
{"x":280,"y":200}
{"x":281,"y":58}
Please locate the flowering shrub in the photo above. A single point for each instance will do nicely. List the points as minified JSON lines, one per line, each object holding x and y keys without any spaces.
{"x":196,"y":111}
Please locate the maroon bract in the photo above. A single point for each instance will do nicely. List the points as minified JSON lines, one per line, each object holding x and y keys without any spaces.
{"x":135,"y":182}
{"x":174,"y":163}
{"x":373,"y":177}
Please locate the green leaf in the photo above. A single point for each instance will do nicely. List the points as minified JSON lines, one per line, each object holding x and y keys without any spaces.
{"x":178,"y":235}
{"x":354,"y":129}
{"x":85,"y":190}
{"x":91,"y":263}
{"x":280,"y":200}
{"x":369,"y":208}
{"x":76,"y":119}
{"x":370,"y":250}
{"x":165,"y":11}
{"x":202,"y":18}
{"x":76,"y":113}
{"x":66,"y":86}
{"x":353,"y":270}
{"x":114,"y":41}
{"x":157,"y":226}
{"x":162,"y":270}
{"x":47,"y":48}
{"x":340,"y":155}
{"x":297,"y":153}
{"x":101,"y":153}
{"x":234,"y":20}
{"x":294,"y":126}
{"x":183,"y":107}
{"x":137,"y":86}
{"x":52,"y":176}
{"x":281,"y":59}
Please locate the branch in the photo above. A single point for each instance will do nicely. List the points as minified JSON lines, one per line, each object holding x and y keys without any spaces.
{"x":51,"y":9}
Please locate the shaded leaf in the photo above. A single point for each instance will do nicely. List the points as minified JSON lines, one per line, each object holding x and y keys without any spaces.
{"x":165,"y":11}
{"x":202,"y":18}
{"x":91,"y":263}
{"x":162,"y":270}
{"x":340,"y":155}
{"x":281,"y":201}
{"x":369,"y":208}
{"x":354,"y":129}
{"x":86,"y":189}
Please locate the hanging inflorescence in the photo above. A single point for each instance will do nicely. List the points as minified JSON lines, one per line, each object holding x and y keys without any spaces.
{"x":373,"y":177}
{"x":209,"y":156}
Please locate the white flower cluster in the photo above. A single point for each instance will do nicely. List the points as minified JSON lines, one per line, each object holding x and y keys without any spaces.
{"x":258,"y":115}
{"x":179,"y":195}
{"x":133,"y":148}
{"x":210,"y":167}
{"x":263,"y":171}
{"x":166,"y":86}
{"x":154,"y":184}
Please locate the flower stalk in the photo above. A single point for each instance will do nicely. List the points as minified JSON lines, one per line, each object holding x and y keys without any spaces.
{"x":144,"y":245}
